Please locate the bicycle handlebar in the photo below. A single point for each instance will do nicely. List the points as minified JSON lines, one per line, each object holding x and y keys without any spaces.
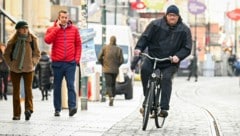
{"x":156,"y":59}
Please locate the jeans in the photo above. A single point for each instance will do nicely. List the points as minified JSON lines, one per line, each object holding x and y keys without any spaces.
{"x":67,"y":70}
{"x":166,"y":84}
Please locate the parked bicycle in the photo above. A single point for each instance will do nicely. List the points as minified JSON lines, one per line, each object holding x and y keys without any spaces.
{"x":152,"y":105}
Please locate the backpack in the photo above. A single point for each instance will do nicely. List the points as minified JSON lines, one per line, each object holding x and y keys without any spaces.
{"x":11,"y":54}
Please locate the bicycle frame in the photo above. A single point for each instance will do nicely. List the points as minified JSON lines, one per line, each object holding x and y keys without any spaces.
{"x":154,"y":88}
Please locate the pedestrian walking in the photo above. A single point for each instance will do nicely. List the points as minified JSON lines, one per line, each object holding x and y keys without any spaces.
{"x":22,"y":55}
{"x":4,"y":72}
{"x":164,"y":37}
{"x":64,"y":37}
{"x":111,"y":57}
{"x":193,"y":69}
{"x":45,"y":75}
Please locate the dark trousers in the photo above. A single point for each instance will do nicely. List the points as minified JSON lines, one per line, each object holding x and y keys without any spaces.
{"x":28,"y":78}
{"x":166,"y":84}
{"x":110,"y":83}
{"x":4,"y":80}
{"x":67,"y":70}
{"x":193,"y":72}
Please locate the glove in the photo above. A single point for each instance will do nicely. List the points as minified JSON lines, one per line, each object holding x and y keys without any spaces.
{"x":134,"y":62}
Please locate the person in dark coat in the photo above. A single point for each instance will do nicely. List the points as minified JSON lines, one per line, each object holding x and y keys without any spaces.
{"x":111,"y":57}
{"x":164,"y":37}
{"x":4,"y":72}
{"x":45,"y":74}
{"x":193,"y":70}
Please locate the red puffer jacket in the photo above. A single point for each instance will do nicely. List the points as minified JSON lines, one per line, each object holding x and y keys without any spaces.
{"x":66,"y":43}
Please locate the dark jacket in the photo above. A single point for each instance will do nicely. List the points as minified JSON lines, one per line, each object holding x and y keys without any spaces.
{"x":44,"y":72}
{"x":3,"y":65}
{"x":163,"y":40}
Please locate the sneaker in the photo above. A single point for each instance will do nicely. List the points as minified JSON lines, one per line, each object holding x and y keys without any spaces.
{"x":72,"y":111}
{"x":163,"y":113}
{"x":57,"y":113}
{"x":27,"y":114}
{"x":16,"y":118}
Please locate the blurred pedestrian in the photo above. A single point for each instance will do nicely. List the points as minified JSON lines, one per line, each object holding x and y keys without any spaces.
{"x":193,"y":69}
{"x":66,"y":44}
{"x":22,"y":92}
{"x":231,"y":60}
{"x":22,"y":55}
{"x":236,"y":66}
{"x":4,"y":72}
{"x":111,"y":57}
{"x":45,"y":74}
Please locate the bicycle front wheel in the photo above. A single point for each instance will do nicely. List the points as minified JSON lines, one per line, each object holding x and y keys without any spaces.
{"x":157,"y":99}
{"x":148,"y":106}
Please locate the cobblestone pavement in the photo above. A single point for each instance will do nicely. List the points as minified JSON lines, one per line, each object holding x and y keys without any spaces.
{"x":194,"y":105}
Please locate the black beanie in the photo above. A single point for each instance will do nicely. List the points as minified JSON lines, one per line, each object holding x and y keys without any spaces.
{"x":173,"y":9}
{"x":21,"y":24}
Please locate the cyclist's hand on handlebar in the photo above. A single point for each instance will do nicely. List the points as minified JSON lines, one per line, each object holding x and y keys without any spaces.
{"x":175,"y":59}
{"x":137,"y":52}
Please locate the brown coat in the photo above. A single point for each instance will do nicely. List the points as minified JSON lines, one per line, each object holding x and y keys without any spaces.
{"x":31,"y":57}
{"x":111,"y":58}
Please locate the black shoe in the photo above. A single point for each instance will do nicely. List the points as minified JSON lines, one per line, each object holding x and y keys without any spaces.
{"x":163,"y":113}
{"x":57,"y":113}
{"x":111,"y":102}
{"x":16,"y":118}
{"x":103,"y":99}
{"x":27,"y":114}
{"x":5,"y":96}
{"x":72,"y":111}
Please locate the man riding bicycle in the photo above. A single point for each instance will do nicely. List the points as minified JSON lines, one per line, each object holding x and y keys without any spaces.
{"x":164,"y":37}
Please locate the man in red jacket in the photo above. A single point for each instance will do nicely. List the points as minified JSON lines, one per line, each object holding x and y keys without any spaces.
{"x":66,"y":52}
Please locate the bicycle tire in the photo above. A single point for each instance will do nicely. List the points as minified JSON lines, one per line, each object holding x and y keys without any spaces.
{"x":148,"y":106}
{"x":157,"y":99}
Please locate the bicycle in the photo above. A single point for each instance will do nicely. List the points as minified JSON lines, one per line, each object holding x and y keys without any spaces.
{"x":154,"y":94}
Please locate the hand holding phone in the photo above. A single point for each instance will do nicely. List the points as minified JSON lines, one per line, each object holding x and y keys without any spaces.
{"x":59,"y":23}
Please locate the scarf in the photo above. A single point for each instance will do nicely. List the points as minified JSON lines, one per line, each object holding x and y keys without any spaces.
{"x":20,"y":48}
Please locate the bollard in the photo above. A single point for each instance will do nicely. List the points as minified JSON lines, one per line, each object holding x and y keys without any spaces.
{"x":84,"y":98}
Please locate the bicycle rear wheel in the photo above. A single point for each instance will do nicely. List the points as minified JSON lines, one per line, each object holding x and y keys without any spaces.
{"x":148,"y":106}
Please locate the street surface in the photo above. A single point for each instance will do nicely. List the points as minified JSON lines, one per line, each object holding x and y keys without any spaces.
{"x":209,"y":107}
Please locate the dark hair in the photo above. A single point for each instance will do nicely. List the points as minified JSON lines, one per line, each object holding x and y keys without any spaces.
{"x":43,"y":53}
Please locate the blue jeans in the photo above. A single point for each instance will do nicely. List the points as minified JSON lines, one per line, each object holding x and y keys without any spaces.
{"x":67,"y":70}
